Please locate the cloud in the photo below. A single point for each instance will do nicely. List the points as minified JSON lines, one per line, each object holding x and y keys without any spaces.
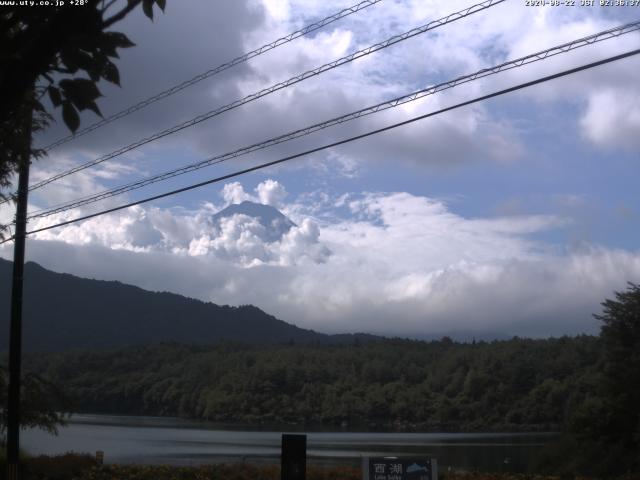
{"x":604,"y":98}
{"x":463,"y":137}
{"x":234,"y":193}
{"x":129,"y":230}
{"x":246,"y":25}
{"x":239,"y":239}
{"x":612,"y":119}
{"x":467,"y":135}
{"x":270,"y":192}
{"x":390,"y":263}
{"x":376,"y":261}
{"x":177,"y":45}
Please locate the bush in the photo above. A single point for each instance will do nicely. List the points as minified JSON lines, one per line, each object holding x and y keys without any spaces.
{"x":60,"y":467}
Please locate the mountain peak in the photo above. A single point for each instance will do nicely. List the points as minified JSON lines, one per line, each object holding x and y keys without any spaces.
{"x":274,"y":222}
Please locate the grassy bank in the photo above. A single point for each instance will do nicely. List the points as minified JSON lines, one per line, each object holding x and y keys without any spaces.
{"x":83,"y":467}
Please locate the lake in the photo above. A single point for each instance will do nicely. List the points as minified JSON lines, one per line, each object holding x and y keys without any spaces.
{"x":152,"y":440}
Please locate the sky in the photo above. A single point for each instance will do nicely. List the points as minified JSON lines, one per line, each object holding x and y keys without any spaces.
{"x":513,"y":216}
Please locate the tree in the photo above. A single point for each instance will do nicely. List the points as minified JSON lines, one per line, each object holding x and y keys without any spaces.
{"x":63,"y":53}
{"x":43,"y":404}
{"x":604,"y":430}
{"x":620,"y":335}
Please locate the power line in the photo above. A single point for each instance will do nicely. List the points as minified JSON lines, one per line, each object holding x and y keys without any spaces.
{"x":214,"y":71}
{"x":342,"y":142}
{"x":293,"y":80}
{"x":279,"y":86}
{"x":535,"y":57}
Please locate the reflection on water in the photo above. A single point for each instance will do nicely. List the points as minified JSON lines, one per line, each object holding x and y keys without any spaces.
{"x":180,"y":442}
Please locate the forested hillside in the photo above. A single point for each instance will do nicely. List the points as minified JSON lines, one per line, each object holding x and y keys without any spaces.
{"x":73,"y":312}
{"x":503,"y":385}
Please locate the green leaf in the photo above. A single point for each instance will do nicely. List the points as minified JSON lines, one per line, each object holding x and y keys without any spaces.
{"x":81,"y":86}
{"x":93,"y":106}
{"x":68,"y":60}
{"x":82,"y":92}
{"x":97,"y":65}
{"x":70,"y":116}
{"x":162,"y":4}
{"x":110,"y":73}
{"x":115,"y":39}
{"x":107,"y":46}
{"x":94,"y":72}
{"x":78,"y":58}
{"x":147,"y":8}
{"x":54,"y":95}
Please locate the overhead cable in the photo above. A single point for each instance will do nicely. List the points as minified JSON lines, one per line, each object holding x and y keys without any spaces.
{"x":341,"y":142}
{"x":535,"y":57}
{"x":278,"y":86}
{"x":214,"y":71}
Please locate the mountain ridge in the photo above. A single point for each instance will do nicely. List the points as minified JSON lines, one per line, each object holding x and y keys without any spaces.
{"x":74,"y":312}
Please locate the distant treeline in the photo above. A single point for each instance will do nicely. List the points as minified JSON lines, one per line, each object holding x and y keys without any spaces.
{"x":519,"y":384}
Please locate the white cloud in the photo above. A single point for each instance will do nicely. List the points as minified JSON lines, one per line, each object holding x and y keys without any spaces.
{"x":396,"y":263}
{"x":277,"y":10}
{"x":301,"y":243}
{"x":502,"y":32}
{"x":272,"y":193}
{"x":239,"y":239}
{"x":129,"y":230}
{"x":83,"y":183}
{"x":393,"y":255}
{"x":603,"y":100}
{"x":612,"y":119}
{"x":234,"y":193}
{"x":244,"y":241}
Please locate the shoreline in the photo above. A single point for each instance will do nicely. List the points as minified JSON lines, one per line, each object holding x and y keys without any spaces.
{"x":158,"y":421}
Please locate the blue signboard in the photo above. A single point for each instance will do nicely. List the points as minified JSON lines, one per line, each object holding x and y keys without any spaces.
{"x":399,"y":468}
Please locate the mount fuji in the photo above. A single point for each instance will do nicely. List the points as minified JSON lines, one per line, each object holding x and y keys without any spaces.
{"x":275,"y":224}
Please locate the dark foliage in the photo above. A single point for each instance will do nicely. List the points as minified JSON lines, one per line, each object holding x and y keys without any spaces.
{"x":60,"y":467}
{"x":42,"y":403}
{"x":507,"y":385}
{"x":54,"y":45}
{"x":620,"y":335}
{"x":603,"y":431}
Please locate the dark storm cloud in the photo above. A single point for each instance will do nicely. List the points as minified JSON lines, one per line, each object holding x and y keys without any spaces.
{"x":187,"y":40}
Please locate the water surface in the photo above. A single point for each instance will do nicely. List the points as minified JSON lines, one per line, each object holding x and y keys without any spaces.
{"x":152,"y":440}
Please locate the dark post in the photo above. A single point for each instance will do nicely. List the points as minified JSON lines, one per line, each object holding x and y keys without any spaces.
{"x":294,"y":457}
{"x":15,"y":329}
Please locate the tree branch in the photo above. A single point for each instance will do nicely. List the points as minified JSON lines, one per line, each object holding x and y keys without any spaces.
{"x":61,"y":70}
{"x":121,"y":14}
{"x":107,"y":6}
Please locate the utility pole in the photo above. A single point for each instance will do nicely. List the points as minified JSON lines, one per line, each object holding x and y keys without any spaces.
{"x":15,"y":329}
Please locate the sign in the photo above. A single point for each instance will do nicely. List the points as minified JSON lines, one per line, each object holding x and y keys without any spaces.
{"x":399,"y":468}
